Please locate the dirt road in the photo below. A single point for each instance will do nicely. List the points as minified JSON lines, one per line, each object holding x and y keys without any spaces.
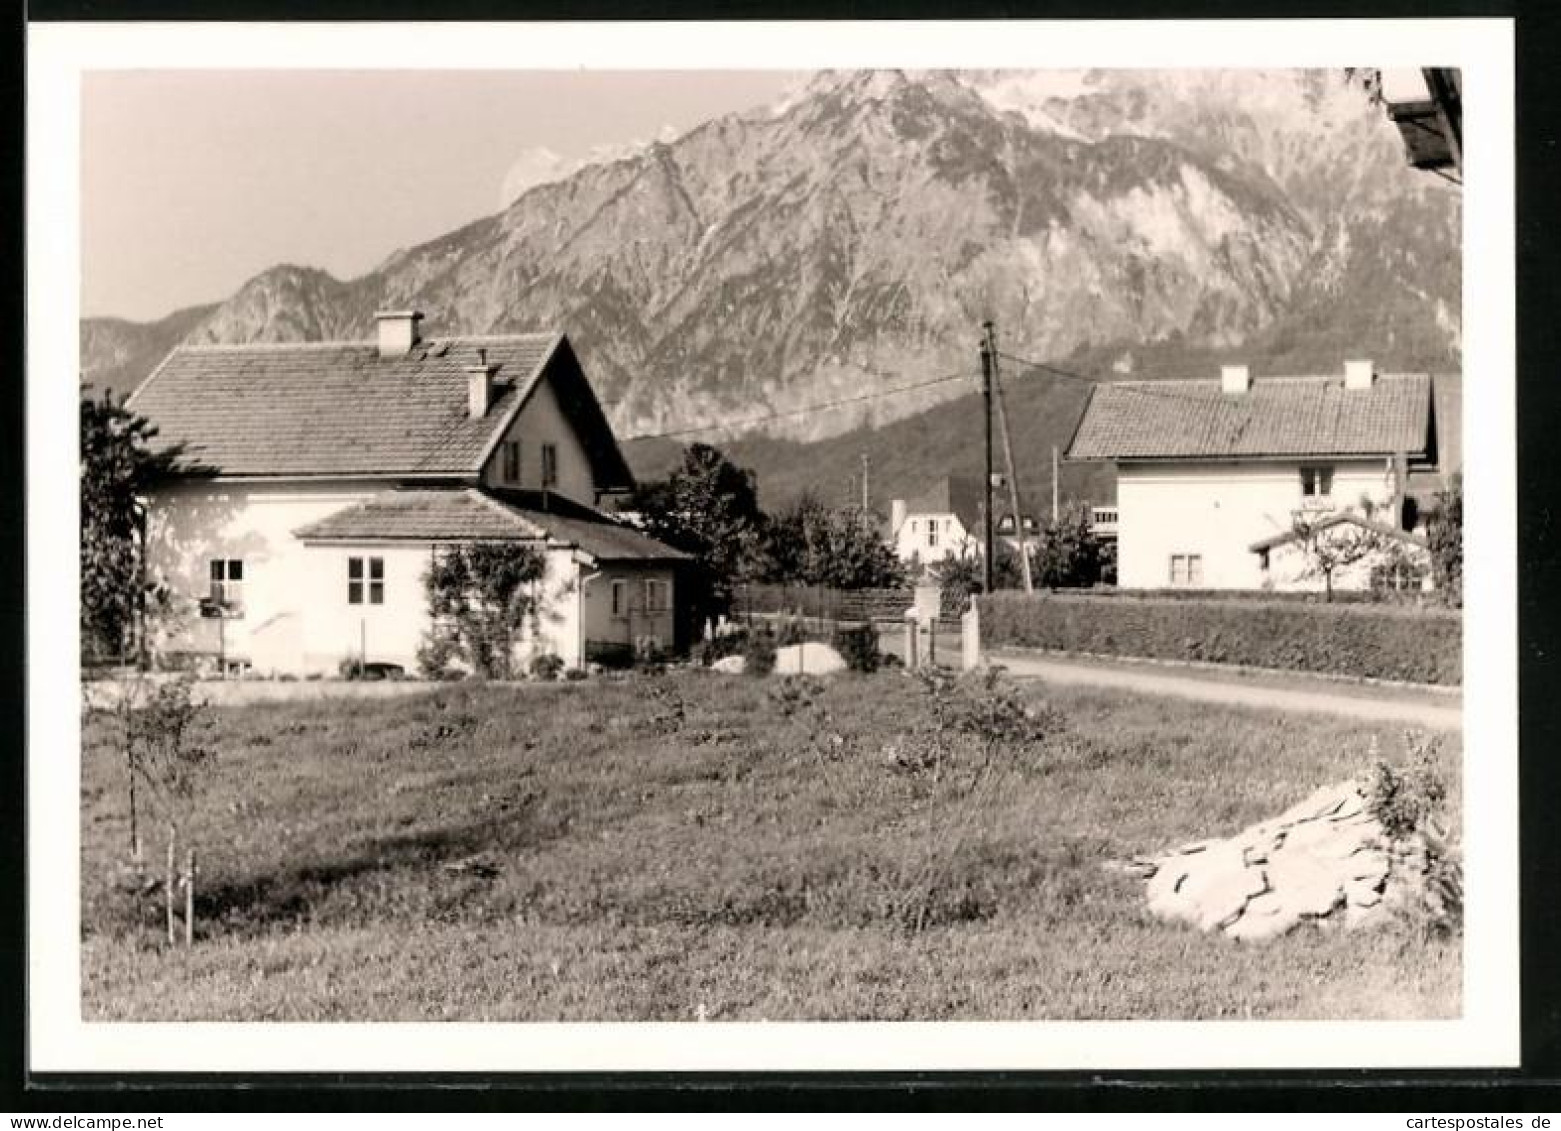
{"x":1426,"y":709}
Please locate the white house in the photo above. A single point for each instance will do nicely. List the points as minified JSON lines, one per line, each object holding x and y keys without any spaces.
{"x":320,"y":479}
{"x":1213,"y":475}
{"x":946,"y":520}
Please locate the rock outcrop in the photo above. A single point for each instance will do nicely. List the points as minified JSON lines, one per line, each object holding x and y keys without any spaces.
{"x":1326,"y":860}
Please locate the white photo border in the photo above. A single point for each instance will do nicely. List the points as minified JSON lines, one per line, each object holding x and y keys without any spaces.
{"x":1487,"y":1035}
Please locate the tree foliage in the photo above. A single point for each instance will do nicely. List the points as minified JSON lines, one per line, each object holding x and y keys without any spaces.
{"x":1068,"y":552}
{"x":118,"y":464}
{"x":709,"y":508}
{"x":1444,"y":534}
{"x":811,"y":543}
{"x":482,"y":596}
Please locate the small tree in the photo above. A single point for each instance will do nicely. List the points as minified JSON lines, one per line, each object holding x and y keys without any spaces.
{"x":481,"y":597}
{"x":164,"y":732}
{"x":1444,"y":535}
{"x":1330,"y":547}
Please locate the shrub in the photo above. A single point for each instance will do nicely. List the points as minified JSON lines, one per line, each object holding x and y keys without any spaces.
{"x":546,"y":666}
{"x":1405,"y":800}
{"x":707,"y":652}
{"x":791,"y":631}
{"x":436,"y":657}
{"x":351,"y":668}
{"x":759,"y":652}
{"x":858,"y":646}
{"x":1421,"y":645}
{"x":575,"y":675}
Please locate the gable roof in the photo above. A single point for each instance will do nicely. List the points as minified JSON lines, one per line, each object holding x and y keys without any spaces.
{"x":1336,"y":519}
{"x":958,"y":495}
{"x":1277,"y":417}
{"x":471,"y":514}
{"x":340,"y":409}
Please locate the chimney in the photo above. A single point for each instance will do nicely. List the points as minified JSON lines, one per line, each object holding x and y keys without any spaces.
{"x":479,"y":386}
{"x":1235,"y":378}
{"x":397,"y":331}
{"x":896,"y":515}
{"x":1359,"y":374}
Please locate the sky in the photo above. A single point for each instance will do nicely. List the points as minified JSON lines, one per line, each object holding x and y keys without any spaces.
{"x":195,"y":181}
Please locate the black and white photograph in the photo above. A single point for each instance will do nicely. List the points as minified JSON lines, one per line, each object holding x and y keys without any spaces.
{"x":625,"y":552}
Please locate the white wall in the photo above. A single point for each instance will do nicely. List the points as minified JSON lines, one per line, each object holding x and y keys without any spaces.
{"x":391,"y":632}
{"x":542,"y":421}
{"x":910,"y":540}
{"x":190,"y":524}
{"x":1217,"y":511}
{"x":296,"y":616}
{"x":1289,"y":569}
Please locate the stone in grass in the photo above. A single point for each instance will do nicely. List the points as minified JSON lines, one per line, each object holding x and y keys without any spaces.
{"x":1165,"y":896}
{"x":1307,"y":887}
{"x":812,"y":658}
{"x":1264,"y":917}
{"x":729,"y":665}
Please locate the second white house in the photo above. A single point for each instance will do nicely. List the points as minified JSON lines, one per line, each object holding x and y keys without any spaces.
{"x":1212,"y":475}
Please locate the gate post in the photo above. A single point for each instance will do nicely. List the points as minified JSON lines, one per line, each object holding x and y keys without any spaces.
{"x":912,"y":657}
{"x":970,"y":637}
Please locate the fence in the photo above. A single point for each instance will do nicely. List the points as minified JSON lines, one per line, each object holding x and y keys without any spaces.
{"x":832,"y":606}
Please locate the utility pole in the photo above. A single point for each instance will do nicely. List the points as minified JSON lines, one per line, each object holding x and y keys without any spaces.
{"x":986,"y":490}
{"x":1054,"y":484}
{"x":1008,"y":460}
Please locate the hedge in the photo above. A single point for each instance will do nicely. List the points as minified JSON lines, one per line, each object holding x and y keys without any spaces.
{"x":1416,"y":645}
{"x":1411,"y":597}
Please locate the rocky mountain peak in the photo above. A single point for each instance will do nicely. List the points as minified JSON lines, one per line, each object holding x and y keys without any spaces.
{"x":850,"y":239}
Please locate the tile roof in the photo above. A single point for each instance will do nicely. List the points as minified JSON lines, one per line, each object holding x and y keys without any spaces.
{"x":1276,"y":417}
{"x":958,"y":495}
{"x":338,"y":408}
{"x":462,"y":514}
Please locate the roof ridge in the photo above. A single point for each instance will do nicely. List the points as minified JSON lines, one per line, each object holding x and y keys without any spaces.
{"x":1259,"y":378}
{"x":368,"y":343}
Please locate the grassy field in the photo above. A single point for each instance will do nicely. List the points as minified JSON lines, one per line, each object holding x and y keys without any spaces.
{"x":690,"y":845}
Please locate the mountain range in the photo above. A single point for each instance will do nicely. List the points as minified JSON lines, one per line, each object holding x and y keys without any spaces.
{"x":850,"y":239}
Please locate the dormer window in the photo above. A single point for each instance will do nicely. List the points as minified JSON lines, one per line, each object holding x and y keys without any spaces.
{"x":510,"y":458}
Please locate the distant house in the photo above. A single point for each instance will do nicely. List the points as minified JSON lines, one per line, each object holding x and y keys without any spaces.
{"x":942,"y":521}
{"x":1212,"y":476}
{"x":945,"y":520}
{"x":324,"y":477}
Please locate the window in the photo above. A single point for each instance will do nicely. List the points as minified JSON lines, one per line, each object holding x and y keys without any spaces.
{"x":1187,"y":570}
{"x":658,"y":596}
{"x":932,"y":532}
{"x":620,"y":598}
{"x":1005,"y":525}
{"x":365,"y":581}
{"x":549,"y":465}
{"x":1316,"y":483}
{"x":510,"y":450}
{"x":227,"y":583}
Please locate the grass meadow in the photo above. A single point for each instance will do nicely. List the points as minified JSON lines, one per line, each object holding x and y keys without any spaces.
{"x":681,"y":846}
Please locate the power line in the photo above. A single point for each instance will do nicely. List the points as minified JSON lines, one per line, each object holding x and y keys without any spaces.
{"x":1134,"y":387}
{"x":821,"y":407}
